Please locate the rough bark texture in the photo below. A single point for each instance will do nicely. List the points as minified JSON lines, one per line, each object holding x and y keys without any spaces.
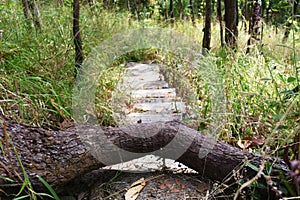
{"x":61,"y":156}
{"x":77,"y":37}
{"x":207,"y":28}
{"x":254,"y":24}
{"x":231,"y":20}
{"x":36,"y":14}
{"x":171,"y":11}
{"x":192,"y":12}
{"x":91,"y":2}
{"x":32,"y":13}
{"x":219,"y":14}
{"x":290,"y":22}
{"x":27,"y":12}
{"x":181,"y":12}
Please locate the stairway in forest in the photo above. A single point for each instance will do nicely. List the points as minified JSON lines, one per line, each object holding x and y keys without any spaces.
{"x":151,"y":99}
{"x":145,"y":97}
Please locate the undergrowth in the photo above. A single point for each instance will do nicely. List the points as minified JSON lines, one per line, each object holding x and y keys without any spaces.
{"x":260,"y":88}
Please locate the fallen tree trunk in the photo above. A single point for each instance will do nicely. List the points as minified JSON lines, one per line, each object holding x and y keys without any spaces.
{"x":61,"y":156}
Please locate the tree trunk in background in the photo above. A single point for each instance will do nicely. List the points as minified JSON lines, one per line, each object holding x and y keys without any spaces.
{"x":36,"y":15}
{"x":108,"y":4}
{"x":192,"y":12}
{"x":61,"y":156}
{"x":290,"y":22}
{"x":263,"y":8}
{"x":207,"y":28}
{"x":27,"y":13}
{"x":137,"y":9}
{"x":254,"y":24}
{"x":171,"y":10}
{"x":128,"y":6}
{"x":231,"y":20}
{"x":166,"y":14}
{"x":245,"y":15}
{"x":219,"y":15}
{"x":269,"y":11}
{"x":32,"y":13}
{"x":91,"y":2}
{"x":77,"y":37}
{"x":60,"y":2}
{"x":181,"y":13}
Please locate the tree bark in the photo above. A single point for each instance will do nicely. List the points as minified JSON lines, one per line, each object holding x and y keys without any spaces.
{"x":128,"y":6}
{"x":60,"y":3}
{"x":181,"y":12}
{"x":61,"y":156}
{"x":231,"y":20}
{"x":290,"y":22}
{"x":207,"y":28}
{"x":32,"y":13}
{"x":171,"y":10}
{"x":192,"y":12}
{"x":27,"y":13}
{"x":35,"y":14}
{"x":77,"y":37}
{"x":254,"y":24}
{"x":219,"y":14}
{"x":91,"y":2}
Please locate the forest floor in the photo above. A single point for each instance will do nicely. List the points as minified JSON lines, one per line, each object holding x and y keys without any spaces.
{"x":155,"y":185}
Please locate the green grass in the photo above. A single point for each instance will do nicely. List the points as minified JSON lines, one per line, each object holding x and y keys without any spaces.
{"x":37,"y":69}
{"x":37,"y":74}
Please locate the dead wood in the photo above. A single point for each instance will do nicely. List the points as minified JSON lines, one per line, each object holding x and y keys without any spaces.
{"x":61,"y":156}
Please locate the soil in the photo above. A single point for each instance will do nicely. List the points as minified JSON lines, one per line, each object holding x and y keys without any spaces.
{"x":160,"y":185}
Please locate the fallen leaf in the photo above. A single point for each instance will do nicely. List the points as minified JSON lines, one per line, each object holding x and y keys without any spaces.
{"x":169,"y":185}
{"x":179,"y":183}
{"x":203,"y":187}
{"x":138,"y":182}
{"x":162,"y":186}
{"x":244,"y":145}
{"x":135,"y":189}
{"x":258,"y":139}
{"x":173,"y":190}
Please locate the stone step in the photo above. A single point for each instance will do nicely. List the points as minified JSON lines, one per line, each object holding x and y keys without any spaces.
{"x":158,"y":93}
{"x":144,"y":85}
{"x":134,"y":118}
{"x":143,"y":76}
{"x":155,"y":85}
{"x":141,"y":68}
{"x":151,"y":100}
{"x":161,"y":107}
{"x":142,"y":79}
{"x":158,"y":100}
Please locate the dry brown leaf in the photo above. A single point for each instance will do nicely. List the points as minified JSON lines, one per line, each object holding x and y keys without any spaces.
{"x":203,"y":187}
{"x":244,"y":145}
{"x":169,"y":185}
{"x":162,"y":186}
{"x":135,"y":189}
{"x":174,"y":190}
{"x":179,"y":183}
{"x":258,"y":139}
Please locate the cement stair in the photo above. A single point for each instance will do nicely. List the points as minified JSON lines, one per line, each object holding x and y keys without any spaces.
{"x":147,"y":98}
{"x":152,"y":99}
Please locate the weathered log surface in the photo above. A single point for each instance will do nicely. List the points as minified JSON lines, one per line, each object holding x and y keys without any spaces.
{"x":61,"y":156}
